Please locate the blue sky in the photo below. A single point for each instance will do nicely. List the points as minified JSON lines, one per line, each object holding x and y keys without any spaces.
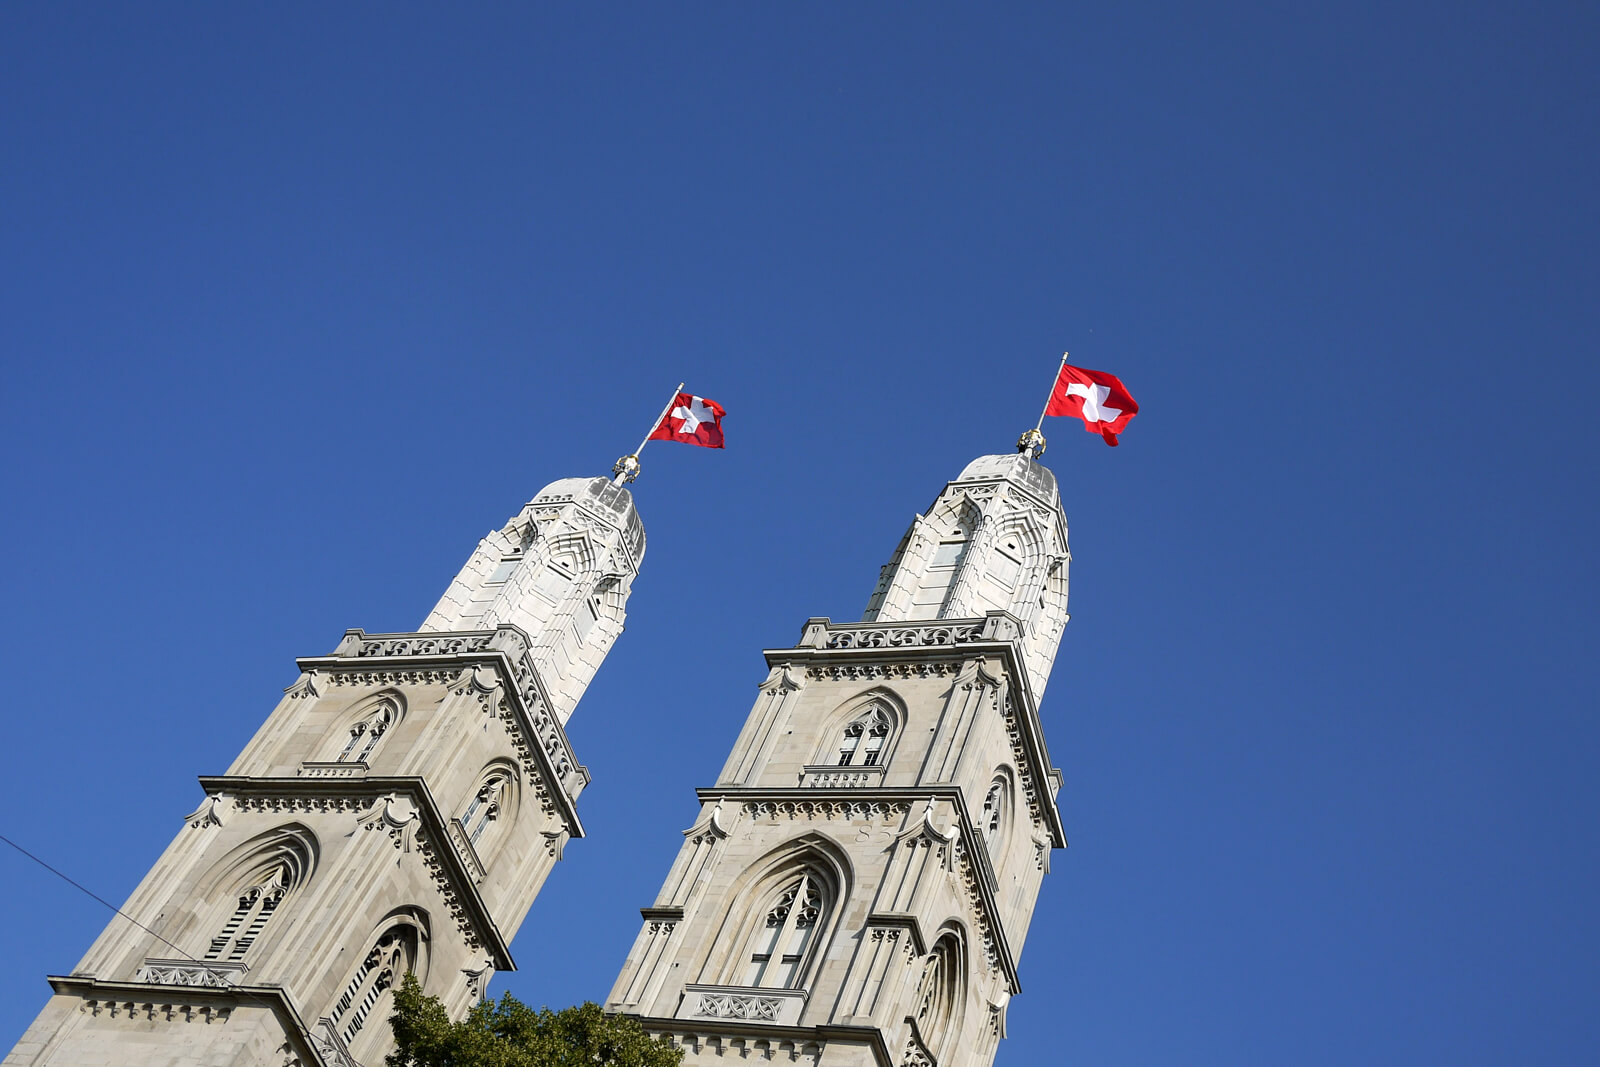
{"x":295,"y":304}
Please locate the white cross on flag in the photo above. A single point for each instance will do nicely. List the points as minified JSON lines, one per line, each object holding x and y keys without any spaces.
{"x":1099,"y":399}
{"x":694,"y":420}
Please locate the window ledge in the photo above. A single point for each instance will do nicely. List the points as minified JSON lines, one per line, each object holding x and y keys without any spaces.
{"x":213,"y":973}
{"x":348,"y":769}
{"x":831,"y":777}
{"x":749,"y":1004}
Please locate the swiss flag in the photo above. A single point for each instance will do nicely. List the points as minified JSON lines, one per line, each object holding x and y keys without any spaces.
{"x":694,"y":420}
{"x":1099,"y":399}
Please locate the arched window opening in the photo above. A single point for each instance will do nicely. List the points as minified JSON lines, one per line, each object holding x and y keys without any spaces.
{"x":365,"y":734}
{"x":992,"y":820}
{"x":865,"y":737}
{"x":256,"y":906}
{"x":485,"y":806}
{"x":782,"y":943}
{"x":393,"y":955}
{"x":939,"y":991}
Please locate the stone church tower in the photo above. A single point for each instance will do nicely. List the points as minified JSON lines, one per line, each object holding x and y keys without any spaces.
{"x":399,"y":810}
{"x":858,"y":884}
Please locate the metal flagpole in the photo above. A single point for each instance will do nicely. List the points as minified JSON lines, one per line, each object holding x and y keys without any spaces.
{"x":627,"y":468}
{"x":1031,"y":443}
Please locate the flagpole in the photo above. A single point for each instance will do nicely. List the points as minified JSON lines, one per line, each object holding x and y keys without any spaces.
{"x":627,"y":468}
{"x":1032,"y":442}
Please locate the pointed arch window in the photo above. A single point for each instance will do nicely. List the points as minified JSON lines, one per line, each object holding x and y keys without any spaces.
{"x":939,"y":991}
{"x":365,"y":735}
{"x":394,"y":954}
{"x":485,"y":806}
{"x":786,"y":937}
{"x":863,"y":740}
{"x":256,"y":907}
{"x":992,"y":820}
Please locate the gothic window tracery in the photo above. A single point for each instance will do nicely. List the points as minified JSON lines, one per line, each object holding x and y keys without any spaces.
{"x":485,"y":806}
{"x":367,"y":732}
{"x":256,"y":906}
{"x":786,"y":937}
{"x":865,"y":737}
{"x":380,"y":970}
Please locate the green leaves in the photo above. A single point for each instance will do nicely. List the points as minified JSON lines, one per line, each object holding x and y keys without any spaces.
{"x":508,"y":1033}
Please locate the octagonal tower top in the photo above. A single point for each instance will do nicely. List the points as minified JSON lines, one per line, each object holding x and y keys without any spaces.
{"x":994,"y":540}
{"x":561,"y":570}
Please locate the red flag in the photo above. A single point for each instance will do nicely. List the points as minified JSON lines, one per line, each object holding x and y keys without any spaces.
{"x":694,"y":420}
{"x":1099,"y":399}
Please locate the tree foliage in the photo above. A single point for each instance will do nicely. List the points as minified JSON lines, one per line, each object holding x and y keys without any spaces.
{"x":508,"y":1033}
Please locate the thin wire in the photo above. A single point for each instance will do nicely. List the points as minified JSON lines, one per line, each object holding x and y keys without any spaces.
{"x":97,"y":896}
{"x":241,"y":990}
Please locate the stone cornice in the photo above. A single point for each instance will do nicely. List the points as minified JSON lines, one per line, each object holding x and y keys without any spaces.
{"x":139,"y":996}
{"x":451,"y":871}
{"x":870,"y":1036}
{"x":976,"y":854}
{"x":544,"y":740}
{"x":937,"y":647}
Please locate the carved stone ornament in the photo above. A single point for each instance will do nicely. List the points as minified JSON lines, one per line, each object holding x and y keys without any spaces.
{"x":325,"y":1038}
{"x":305,"y":688}
{"x":882,"y":810}
{"x":395,"y":814}
{"x":209,"y":974}
{"x":148,"y":1011}
{"x":738,"y":1006}
{"x":478,"y":979}
{"x":213,"y":811}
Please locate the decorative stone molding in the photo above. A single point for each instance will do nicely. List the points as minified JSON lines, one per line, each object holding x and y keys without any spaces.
{"x":900,"y":635}
{"x":840,"y":672}
{"x":478,"y":979}
{"x":968,"y":872}
{"x":780,"y":1007}
{"x":1019,"y":755}
{"x":147,"y":1010}
{"x":305,"y":687}
{"x":743,"y":1047}
{"x":316,"y":769}
{"x":325,"y":1036}
{"x":832,"y":777}
{"x":302,"y":805}
{"x":782,"y":678}
{"x":879,"y":810}
{"x":214,"y":974}
{"x":916,"y":1054}
{"x":712,"y":827}
{"x":213,"y":811}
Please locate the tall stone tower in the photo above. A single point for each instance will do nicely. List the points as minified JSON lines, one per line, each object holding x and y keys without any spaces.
{"x":399,"y":810}
{"x":859,"y":881}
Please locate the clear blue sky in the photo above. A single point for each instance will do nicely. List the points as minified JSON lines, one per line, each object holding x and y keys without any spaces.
{"x":295,"y":304}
